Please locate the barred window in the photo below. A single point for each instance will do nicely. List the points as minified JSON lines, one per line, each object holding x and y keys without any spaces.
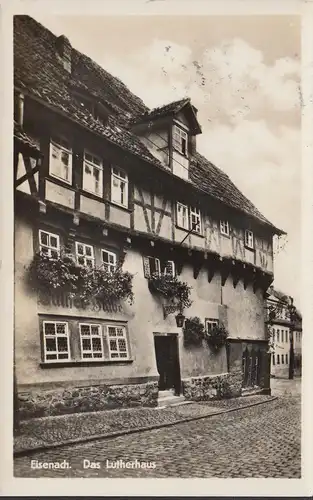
{"x":91,"y":341}
{"x":117,"y":342}
{"x":49,"y":244}
{"x":56,"y":341}
{"x":84,"y":254}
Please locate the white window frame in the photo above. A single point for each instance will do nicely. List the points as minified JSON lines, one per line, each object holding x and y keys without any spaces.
{"x":224,"y":227}
{"x":178,"y":136}
{"x":55,"y":336}
{"x":93,"y":165}
{"x":249,"y":239}
{"x":193,"y":211}
{"x":49,"y":247}
{"x":171,"y":265}
{"x":210,"y":323}
{"x":91,"y":336}
{"x":62,"y":145}
{"x":109,"y":266}
{"x":182,"y":215}
{"x":120,"y":176}
{"x":157,"y":265}
{"x":116,"y":337}
{"x":87,"y":258}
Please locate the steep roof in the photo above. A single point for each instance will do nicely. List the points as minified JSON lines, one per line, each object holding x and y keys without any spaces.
{"x":39,"y":73}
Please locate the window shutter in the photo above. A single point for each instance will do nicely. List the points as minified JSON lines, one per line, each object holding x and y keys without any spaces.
{"x":146,"y":267}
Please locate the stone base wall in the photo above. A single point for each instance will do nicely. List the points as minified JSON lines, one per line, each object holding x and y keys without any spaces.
{"x":84,"y":399}
{"x":204,"y":388}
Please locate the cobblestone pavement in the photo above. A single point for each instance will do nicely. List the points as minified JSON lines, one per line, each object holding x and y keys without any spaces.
{"x":43,"y":432}
{"x":261,"y":441}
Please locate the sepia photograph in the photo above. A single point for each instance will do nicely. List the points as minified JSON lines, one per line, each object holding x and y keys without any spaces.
{"x":157,"y":246}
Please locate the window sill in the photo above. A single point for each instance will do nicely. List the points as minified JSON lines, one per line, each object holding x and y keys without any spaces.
{"x":249,"y":248}
{"x":122,"y":207}
{"x":59,"y":181}
{"x":98,"y":197}
{"x":86,"y":362}
{"x":225,"y":235}
{"x":188,"y":231}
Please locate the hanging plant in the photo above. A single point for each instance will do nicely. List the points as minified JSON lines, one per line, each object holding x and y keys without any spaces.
{"x":193,"y":332}
{"x":216,"y":337}
{"x":172,"y":288}
{"x":64,"y":274}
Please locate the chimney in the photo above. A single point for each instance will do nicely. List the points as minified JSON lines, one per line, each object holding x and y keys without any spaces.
{"x":64,"y":50}
{"x":19,"y":108}
{"x":192,"y":144}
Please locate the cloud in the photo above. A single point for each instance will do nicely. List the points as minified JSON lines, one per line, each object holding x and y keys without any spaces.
{"x":249,"y":112}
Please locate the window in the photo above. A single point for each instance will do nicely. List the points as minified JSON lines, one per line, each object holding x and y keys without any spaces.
{"x":93,"y":174}
{"x":249,"y":239}
{"x":119,"y":187}
{"x":286,"y":359}
{"x":195,"y":220}
{"x":210,"y":324}
{"x":286,"y":336}
{"x":49,"y":244}
{"x":169,"y":268}
{"x":153,"y":265}
{"x":84,"y":254}
{"x":278,"y":335}
{"x":282,"y":359}
{"x":180,"y":140}
{"x":278,"y":359}
{"x":224,"y":227}
{"x":182,"y":216}
{"x":91,"y":341}
{"x":108,"y":261}
{"x":117,"y":342}
{"x":60,"y":160}
{"x":273,"y":358}
{"x":56,"y":342}
{"x":273,"y":334}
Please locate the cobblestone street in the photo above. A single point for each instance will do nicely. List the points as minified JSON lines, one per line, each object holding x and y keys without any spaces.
{"x":261,"y":441}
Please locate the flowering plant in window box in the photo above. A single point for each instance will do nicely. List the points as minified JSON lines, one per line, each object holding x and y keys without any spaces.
{"x":171,"y":287}
{"x":216,"y":337}
{"x":63,"y":273}
{"x":193,"y":332}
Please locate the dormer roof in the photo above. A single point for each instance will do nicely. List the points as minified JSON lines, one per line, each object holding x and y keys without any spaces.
{"x":171,"y":110}
{"x":39,"y":74}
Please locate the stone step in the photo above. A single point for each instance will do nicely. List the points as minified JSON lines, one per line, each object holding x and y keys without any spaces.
{"x":171,"y":401}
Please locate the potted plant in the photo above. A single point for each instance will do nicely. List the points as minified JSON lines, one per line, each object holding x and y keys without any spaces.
{"x":193,"y":332}
{"x":172,"y":288}
{"x":63,"y":273}
{"x":216,"y":337}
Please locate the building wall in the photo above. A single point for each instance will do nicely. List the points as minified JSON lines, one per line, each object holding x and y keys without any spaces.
{"x":280,"y":356}
{"x":241,"y":310}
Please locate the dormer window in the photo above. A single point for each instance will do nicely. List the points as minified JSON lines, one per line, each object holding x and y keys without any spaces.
{"x":180,"y":140}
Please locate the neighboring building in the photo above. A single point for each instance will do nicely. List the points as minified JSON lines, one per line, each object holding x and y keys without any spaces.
{"x":116,"y":184}
{"x":281,"y":331}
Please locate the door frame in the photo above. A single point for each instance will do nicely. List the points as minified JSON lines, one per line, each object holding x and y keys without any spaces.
{"x":175,"y":337}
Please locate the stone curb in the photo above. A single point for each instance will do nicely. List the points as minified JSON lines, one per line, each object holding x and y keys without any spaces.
{"x":21,"y":453}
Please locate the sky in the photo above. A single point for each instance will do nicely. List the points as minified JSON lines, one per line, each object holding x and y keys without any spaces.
{"x":243,"y":75}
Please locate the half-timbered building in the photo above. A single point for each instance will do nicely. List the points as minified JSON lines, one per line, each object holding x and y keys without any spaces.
{"x":121,"y":186}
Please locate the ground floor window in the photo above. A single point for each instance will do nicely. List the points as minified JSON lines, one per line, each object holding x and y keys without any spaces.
{"x":72,"y":339}
{"x":55,"y":341}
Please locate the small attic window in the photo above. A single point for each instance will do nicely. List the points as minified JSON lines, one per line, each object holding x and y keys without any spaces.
{"x":180,"y":140}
